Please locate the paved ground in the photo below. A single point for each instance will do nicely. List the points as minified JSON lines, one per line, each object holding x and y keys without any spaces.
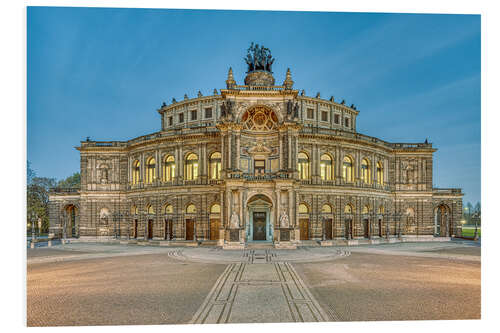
{"x":99,"y":284}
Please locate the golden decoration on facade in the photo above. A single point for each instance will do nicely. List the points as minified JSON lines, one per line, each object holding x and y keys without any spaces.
{"x":260,"y":118}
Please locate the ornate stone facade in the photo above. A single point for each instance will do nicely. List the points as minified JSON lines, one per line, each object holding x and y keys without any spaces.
{"x":257,"y":162}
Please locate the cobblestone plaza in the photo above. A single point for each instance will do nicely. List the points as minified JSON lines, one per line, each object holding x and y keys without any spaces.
{"x":83,"y":284}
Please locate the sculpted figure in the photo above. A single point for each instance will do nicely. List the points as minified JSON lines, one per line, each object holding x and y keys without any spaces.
{"x":235,"y":221}
{"x":296,"y":111}
{"x":226,"y":109}
{"x":284,"y":221}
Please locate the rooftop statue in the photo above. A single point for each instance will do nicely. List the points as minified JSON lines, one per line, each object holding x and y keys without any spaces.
{"x":259,"y":58}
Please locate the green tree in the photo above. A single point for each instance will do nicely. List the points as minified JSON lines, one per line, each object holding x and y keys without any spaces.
{"x":70,"y":182}
{"x":38,"y":199}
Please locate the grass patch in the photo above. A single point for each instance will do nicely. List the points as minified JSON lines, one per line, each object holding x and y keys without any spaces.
{"x":469,"y":231}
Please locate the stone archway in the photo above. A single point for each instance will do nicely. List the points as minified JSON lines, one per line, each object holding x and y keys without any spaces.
{"x":70,"y":219}
{"x":442,"y":221}
{"x":260,"y":218}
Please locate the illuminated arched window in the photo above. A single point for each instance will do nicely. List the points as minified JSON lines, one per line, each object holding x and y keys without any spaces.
{"x":303,"y":209}
{"x":134,"y":210}
{"x":215,"y":209}
{"x":347,"y":170}
{"x":191,"y":209}
{"x":348,"y":209}
{"x":169,"y":209}
{"x":150,"y":209}
{"x":215,"y":165}
{"x":303,"y":166}
{"x":168,"y":168}
{"x":366,"y":171}
{"x":150,"y":170}
{"x":326,"y":209}
{"x":366,"y":209}
{"x":381,"y":209}
{"x":380,"y":173}
{"x":326,"y":168}
{"x":191,"y":167}
{"x":136,"y":172}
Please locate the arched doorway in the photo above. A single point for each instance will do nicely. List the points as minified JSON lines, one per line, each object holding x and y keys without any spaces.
{"x":214,"y":221}
{"x":442,"y":223}
{"x":259,"y":216}
{"x":69,"y":227}
{"x":327,"y":218}
{"x":348,"y":224}
{"x":304,"y":221}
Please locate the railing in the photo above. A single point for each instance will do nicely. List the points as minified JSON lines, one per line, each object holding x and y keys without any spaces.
{"x":447,"y":190}
{"x":259,"y":88}
{"x":64,"y":190}
{"x":270,"y":177}
{"x":362,"y":137}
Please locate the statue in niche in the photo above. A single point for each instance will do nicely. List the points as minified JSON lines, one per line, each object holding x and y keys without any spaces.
{"x":409,"y":174}
{"x":104,"y":175}
{"x":284,"y":220}
{"x":292,"y":110}
{"x":226,"y":109}
{"x":234,"y":221}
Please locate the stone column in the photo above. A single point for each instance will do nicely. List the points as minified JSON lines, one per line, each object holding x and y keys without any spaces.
{"x":237,"y":162}
{"x":158,"y":164}
{"x":180,"y":163}
{"x":229,"y":143}
{"x":280,"y":139}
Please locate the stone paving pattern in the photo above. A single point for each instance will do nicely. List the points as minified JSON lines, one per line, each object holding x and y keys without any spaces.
{"x":101,"y":284}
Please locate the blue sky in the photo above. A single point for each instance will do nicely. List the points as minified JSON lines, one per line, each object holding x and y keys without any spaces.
{"x":103,"y":73}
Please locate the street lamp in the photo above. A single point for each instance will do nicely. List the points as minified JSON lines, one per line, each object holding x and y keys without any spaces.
{"x":32,"y":220}
{"x":475,"y":227}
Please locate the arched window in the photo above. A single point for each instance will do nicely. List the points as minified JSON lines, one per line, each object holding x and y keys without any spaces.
{"x":366,"y":209}
{"x":366,"y":171}
{"x":150,"y":209}
{"x":347,"y":172}
{"x":215,"y":209}
{"x":303,"y":166}
{"x":326,"y":209}
{"x":136,"y":172}
{"x":169,"y":209}
{"x":150,"y":170}
{"x":303,"y":209}
{"x":215,"y":165}
{"x":380,"y":173}
{"x":134,"y":210}
{"x":348,"y":209}
{"x":326,"y":168}
{"x":169,"y":168}
{"x":381,"y":210}
{"x":191,"y":172}
{"x":191,"y":209}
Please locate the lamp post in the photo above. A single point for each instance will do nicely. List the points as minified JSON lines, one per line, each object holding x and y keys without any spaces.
{"x":475,"y":227}
{"x":32,"y":220}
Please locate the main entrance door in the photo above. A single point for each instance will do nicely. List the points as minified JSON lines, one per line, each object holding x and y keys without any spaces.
{"x":259,"y":226}
{"x":189,"y":229}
